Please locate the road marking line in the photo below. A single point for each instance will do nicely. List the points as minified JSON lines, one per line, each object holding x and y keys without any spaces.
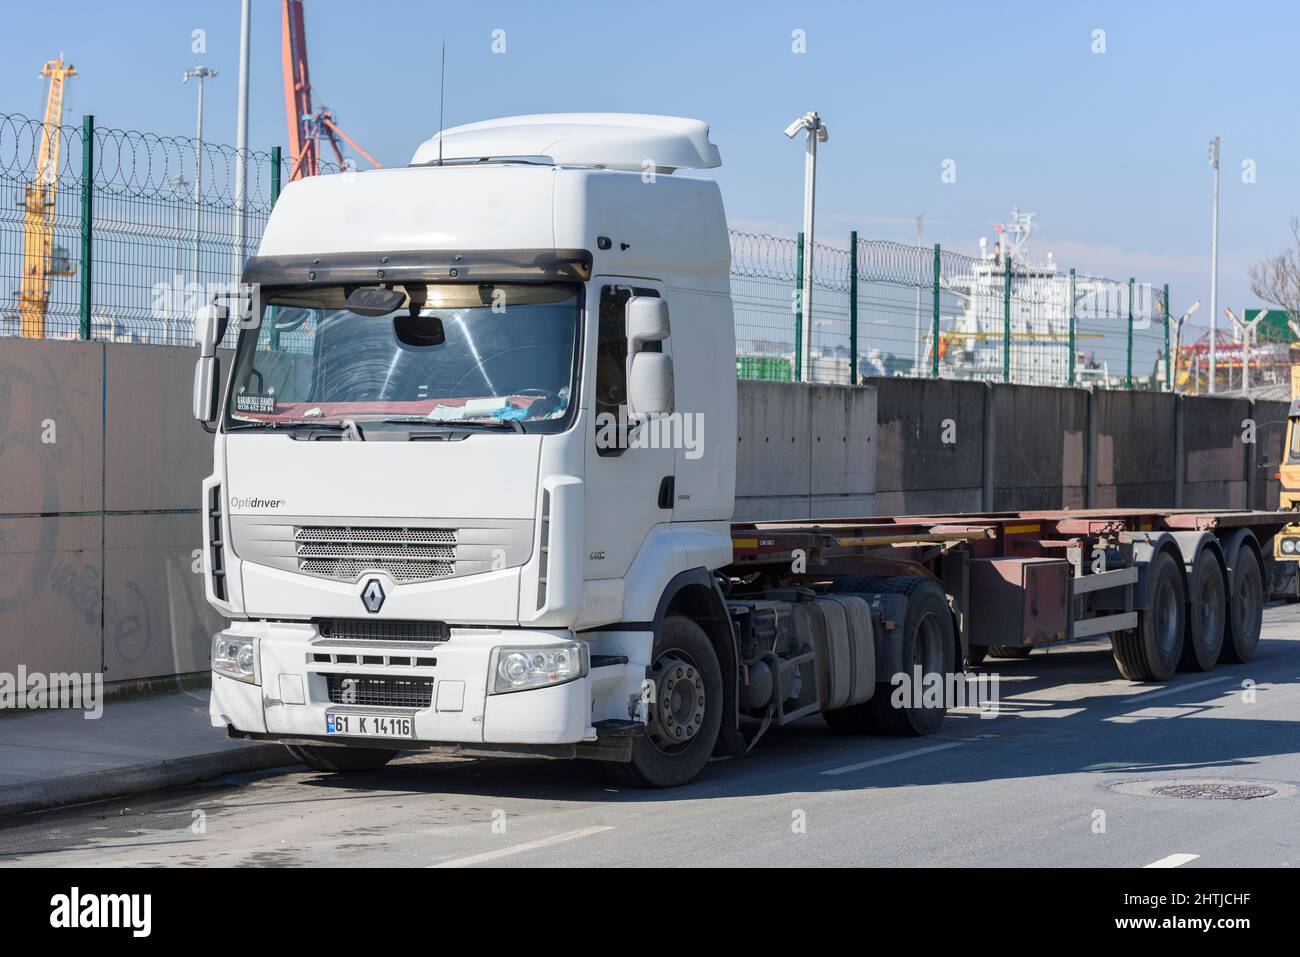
{"x":893,"y":757}
{"x":1147,"y":696}
{"x":1174,"y":860}
{"x":520,"y":848}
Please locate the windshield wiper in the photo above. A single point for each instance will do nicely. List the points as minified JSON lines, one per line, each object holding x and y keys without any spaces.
{"x":332,"y":424}
{"x":513,"y":424}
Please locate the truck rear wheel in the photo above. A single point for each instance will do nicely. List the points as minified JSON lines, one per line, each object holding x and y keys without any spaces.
{"x":1207,"y":611}
{"x":685,"y":715}
{"x":928,"y":642}
{"x":1152,"y":650}
{"x":340,"y":760}
{"x":1245,"y":608}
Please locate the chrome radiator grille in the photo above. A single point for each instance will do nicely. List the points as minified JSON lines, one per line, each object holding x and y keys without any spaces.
{"x":344,"y":552}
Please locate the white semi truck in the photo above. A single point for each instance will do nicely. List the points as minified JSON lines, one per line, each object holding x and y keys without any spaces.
{"x":474,"y":476}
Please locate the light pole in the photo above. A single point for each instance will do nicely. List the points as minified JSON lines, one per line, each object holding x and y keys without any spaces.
{"x":1214,"y":268}
{"x":199,"y":73}
{"x":241,"y":136}
{"x":811,"y":124}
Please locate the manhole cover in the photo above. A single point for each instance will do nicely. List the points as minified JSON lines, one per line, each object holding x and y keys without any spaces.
{"x":1208,"y":789}
{"x":1215,"y":791}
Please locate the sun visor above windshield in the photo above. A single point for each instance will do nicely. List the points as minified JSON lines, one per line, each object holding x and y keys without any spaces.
{"x":492,"y":265}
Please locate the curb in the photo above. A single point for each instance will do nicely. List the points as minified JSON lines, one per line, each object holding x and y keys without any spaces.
{"x":51,"y":793}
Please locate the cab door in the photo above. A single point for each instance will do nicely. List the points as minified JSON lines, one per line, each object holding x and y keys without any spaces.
{"x":629,"y":483}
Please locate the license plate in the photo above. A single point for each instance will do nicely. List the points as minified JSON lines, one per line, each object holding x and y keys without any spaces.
{"x":370,"y":725}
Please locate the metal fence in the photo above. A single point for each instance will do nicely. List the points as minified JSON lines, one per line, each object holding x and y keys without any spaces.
{"x":893,"y":309}
{"x":109,"y":238}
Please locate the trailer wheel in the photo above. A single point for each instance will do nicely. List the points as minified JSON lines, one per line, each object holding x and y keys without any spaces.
{"x":1207,"y":613}
{"x":338,"y":760}
{"x":1152,"y":650}
{"x":685,"y":715}
{"x":1245,"y":608}
{"x":1009,"y":651}
{"x":928,"y":642}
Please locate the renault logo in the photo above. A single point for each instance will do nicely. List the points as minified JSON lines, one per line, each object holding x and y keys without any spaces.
{"x":372,"y":596}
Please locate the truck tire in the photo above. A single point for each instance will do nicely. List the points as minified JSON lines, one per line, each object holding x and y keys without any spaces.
{"x":1009,"y":651}
{"x":1152,"y":650}
{"x":1207,"y":610}
{"x":928,"y":640}
{"x":686,"y":713}
{"x":1245,"y":608}
{"x":337,"y":760}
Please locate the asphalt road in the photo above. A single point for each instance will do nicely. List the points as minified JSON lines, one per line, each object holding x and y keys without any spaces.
{"x":1057,"y":778}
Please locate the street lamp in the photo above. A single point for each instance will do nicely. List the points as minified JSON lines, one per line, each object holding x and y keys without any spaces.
{"x":1178,"y":336}
{"x":199,"y":73}
{"x":1247,"y":330}
{"x":810,"y":124}
{"x":1214,"y":267}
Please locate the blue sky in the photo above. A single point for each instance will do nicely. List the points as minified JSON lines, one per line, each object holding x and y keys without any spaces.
{"x":1109,"y":149}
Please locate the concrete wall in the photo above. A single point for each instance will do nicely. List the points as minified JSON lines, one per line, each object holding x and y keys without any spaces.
{"x":100,"y":465}
{"x":1135,"y":449}
{"x":804,"y":451}
{"x":930,"y":455}
{"x":1039,"y":448}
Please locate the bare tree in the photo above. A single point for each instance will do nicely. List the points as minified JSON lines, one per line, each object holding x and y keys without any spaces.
{"x":1276,"y":279}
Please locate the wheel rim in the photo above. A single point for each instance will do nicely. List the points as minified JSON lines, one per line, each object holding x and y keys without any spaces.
{"x":680,"y":702}
{"x":1247,"y":585}
{"x":1167,"y":616}
{"x":1207,"y":608}
{"x":927,"y":652}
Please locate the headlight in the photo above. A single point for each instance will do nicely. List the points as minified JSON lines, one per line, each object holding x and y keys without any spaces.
{"x":518,"y":669}
{"x":235,"y":657}
{"x":1289,"y":546}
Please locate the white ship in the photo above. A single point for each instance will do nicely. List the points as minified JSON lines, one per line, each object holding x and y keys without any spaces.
{"x":975,"y":344}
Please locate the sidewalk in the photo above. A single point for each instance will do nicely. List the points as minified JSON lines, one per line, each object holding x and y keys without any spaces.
{"x":54,"y":758}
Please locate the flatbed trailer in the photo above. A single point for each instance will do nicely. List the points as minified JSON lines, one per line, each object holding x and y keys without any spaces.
{"x":1174,"y":588}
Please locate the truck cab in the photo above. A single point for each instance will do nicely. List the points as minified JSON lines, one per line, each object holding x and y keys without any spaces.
{"x":1287,"y":544}
{"x":474,"y":449}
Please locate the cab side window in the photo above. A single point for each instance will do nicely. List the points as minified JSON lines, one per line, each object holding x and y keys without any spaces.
{"x":611,"y":357}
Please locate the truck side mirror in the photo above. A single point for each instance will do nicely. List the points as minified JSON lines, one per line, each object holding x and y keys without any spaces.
{"x":650,"y":385}
{"x":649,"y":374}
{"x":647,"y":321}
{"x":209,"y":326}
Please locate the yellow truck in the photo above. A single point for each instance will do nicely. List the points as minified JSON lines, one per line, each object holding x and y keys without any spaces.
{"x":1286,"y":545}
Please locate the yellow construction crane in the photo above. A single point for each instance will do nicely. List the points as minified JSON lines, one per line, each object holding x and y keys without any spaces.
{"x":41,"y":259}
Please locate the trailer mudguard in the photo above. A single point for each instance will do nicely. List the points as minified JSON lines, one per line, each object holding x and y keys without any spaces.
{"x":1146,"y":545}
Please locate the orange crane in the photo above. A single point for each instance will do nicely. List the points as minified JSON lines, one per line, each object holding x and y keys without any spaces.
{"x":41,"y":258}
{"x":306,"y":126}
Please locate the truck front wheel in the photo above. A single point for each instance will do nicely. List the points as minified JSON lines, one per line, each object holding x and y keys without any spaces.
{"x":685,"y":714}
{"x":337,"y":760}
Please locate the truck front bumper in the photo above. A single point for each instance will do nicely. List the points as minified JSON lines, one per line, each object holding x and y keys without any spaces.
{"x":290,"y":696}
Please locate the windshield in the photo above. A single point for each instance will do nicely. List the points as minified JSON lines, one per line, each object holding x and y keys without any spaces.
{"x":1294,"y":455}
{"x":487,"y":355}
